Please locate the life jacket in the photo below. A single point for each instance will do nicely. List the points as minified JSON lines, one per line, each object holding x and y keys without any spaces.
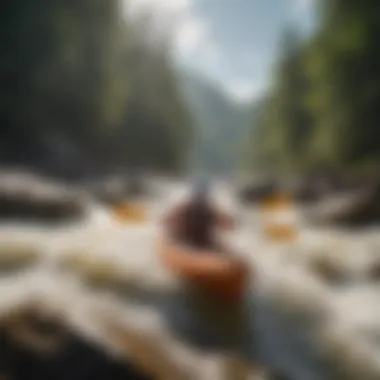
{"x":198,"y":223}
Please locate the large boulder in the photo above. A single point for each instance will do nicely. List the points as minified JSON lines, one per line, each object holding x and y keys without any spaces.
{"x":354,"y":208}
{"x":257,"y":191}
{"x":316,"y":187}
{"x":118,"y":189}
{"x":29,"y":197}
{"x":308,"y":190}
{"x":137,"y":187}
{"x":300,"y":190}
{"x":108,"y":192}
{"x":87,"y":339}
{"x":40,"y":345}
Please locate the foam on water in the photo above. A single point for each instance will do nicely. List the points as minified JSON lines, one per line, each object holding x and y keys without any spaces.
{"x":284,"y":272}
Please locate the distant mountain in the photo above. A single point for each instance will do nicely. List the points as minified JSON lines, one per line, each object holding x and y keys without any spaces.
{"x":221,"y":124}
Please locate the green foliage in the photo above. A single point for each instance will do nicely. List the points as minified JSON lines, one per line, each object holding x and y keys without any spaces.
{"x":83,"y":72}
{"x":323,"y":110}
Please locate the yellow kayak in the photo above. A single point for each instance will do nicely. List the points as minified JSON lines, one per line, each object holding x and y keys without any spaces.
{"x":130,"y":213}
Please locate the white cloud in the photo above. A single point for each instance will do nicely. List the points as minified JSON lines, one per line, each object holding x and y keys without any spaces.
{"x":190,"y":33}
{"x":243,"y":91}
{"x":160,"y":6}
{"x":194,"y":45}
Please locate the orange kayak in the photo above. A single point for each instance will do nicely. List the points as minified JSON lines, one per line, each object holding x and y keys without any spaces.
{"x":225,"y":277}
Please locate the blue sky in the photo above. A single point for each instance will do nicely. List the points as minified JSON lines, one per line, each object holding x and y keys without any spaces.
{"x":234,"y":42}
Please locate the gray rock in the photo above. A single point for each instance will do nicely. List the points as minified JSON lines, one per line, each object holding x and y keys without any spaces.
{"x":117,"y":189}
{"x":25,"y":196}
{"x":39,"y":346}
{"x":352,"y":208}
{"x":257,"y":191}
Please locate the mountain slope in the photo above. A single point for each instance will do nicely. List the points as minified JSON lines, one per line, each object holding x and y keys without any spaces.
{"x":221,"y":124}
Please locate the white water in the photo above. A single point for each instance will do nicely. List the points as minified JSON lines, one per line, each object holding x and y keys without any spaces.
{"x":344,"y":321}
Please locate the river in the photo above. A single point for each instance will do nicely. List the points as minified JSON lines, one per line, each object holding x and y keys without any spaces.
{"x":305,"y":326}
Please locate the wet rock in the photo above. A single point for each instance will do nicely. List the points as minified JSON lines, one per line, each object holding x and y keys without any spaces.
{"x":116,"y":190}
{"x":306,"y":191}
{"x":25,"y":196}
{"x":357,"y":208}
{"x":108,"y":192}
{"x":257,"y":191}
{"x":313,"y":188}
{"x":329,"y":270}
{"x":137,"y":187}
{"x":34,"y":345}
{"x":374,"y":271}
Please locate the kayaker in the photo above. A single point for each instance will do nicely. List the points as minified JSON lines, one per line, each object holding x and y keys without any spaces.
{"x":194,"y":222}
{"x":209,"y":322}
